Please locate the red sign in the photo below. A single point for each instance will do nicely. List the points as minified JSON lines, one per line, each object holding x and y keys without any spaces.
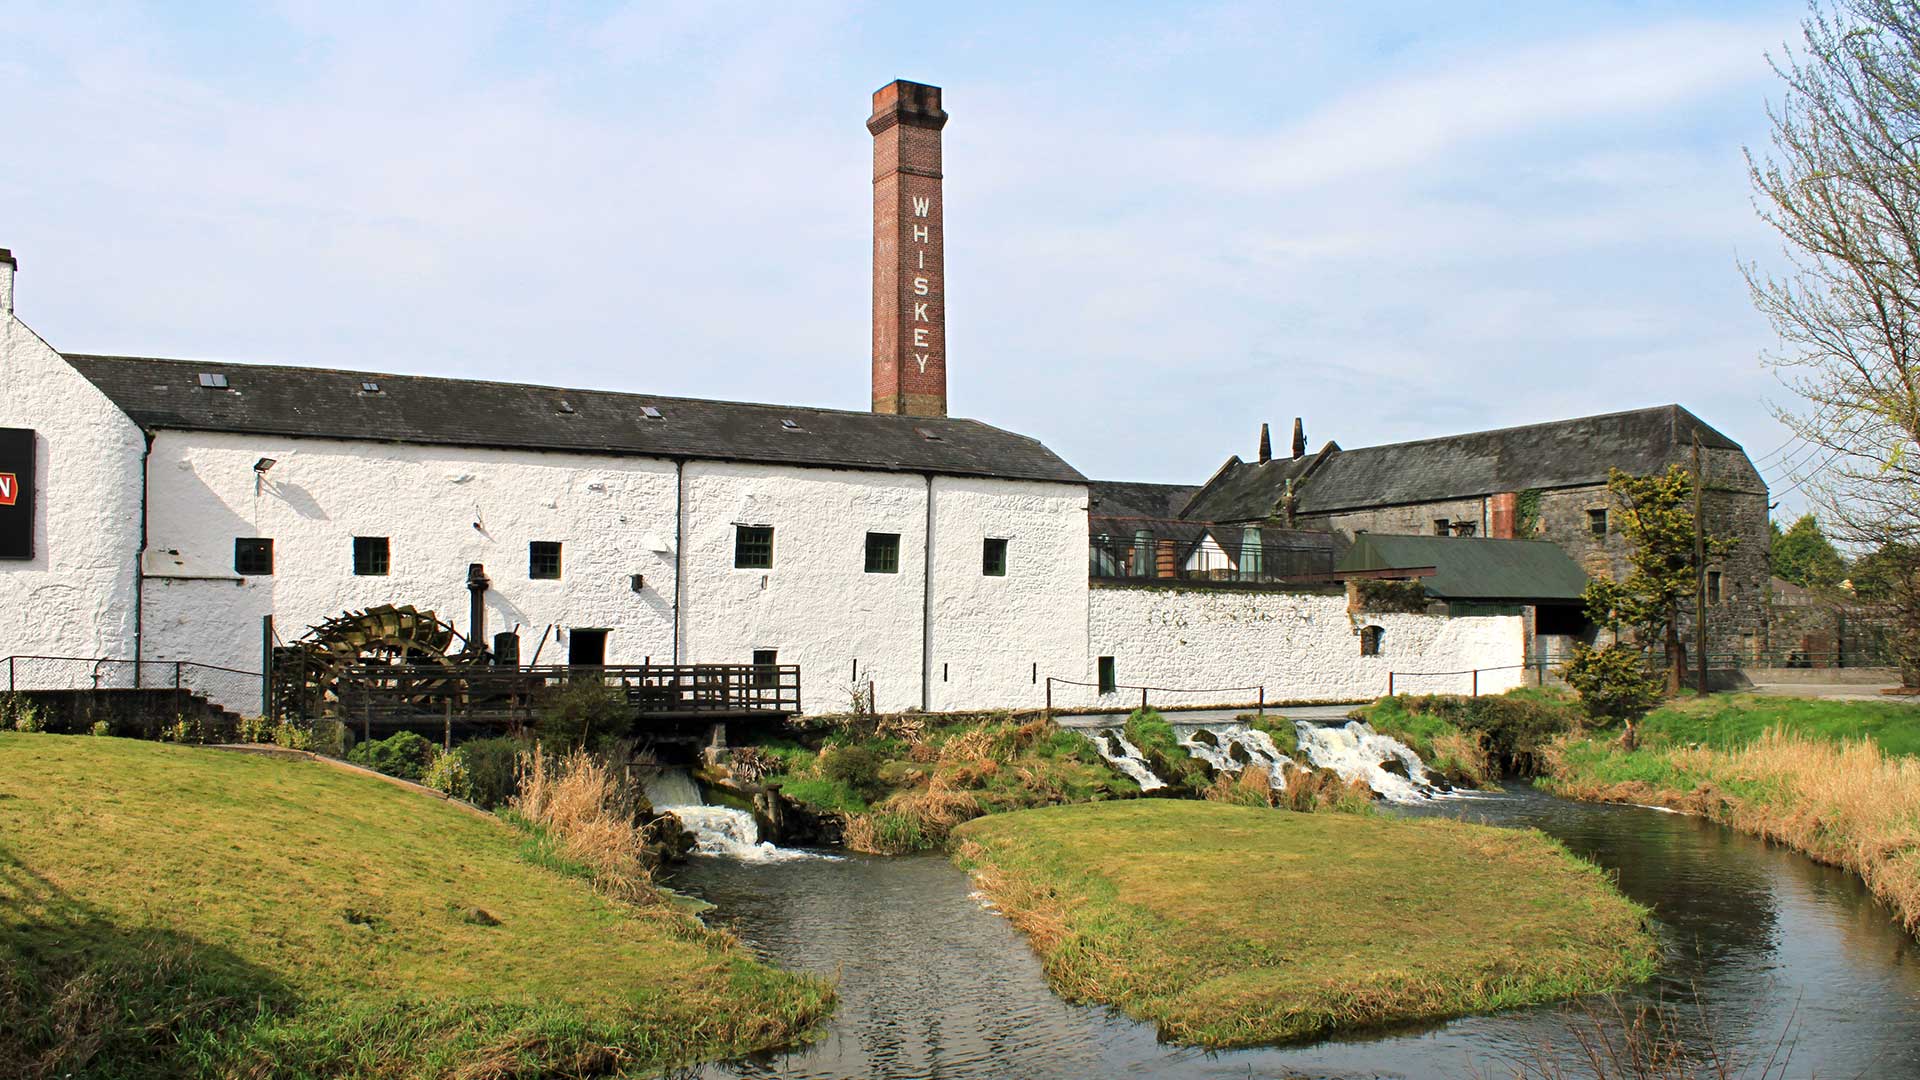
{"x":9,"y":488}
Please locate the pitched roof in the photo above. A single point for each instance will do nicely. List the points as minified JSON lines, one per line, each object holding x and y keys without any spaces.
{"x":328,"y":404}
{"x":1472,"y":568}
{"x":1126,"y":499}
{"x":1562,"y":453}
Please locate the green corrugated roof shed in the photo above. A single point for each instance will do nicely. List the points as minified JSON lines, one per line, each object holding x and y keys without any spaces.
{"x":1473,"y":568}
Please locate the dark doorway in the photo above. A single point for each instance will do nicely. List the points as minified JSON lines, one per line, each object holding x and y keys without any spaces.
{"x":587,"y":648}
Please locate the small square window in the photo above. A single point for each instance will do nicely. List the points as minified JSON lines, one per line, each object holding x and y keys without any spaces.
{"x":1109,"y":679}
{"x":1440,"y":527}
{"x":253,"y":556}
{"x":993,"y":558}
{"x":371,"y":556}
{"x":1713,"y":586}
{"x":1372,"y":638}
{"x":753,"y":547}
{"x":1597,"y":522}
{"x":883,"y":553}
{"x":543,"y":560}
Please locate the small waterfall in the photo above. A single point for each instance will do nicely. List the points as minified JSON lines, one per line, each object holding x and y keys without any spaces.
{"x":1221,"y":741}
{"x":717,"y":830}
{"x":1125,"y":757}
{"x":1357,"y":752}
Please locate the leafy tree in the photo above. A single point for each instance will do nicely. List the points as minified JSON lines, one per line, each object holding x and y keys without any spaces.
{"x":584,"y":710}
{"x":1890,"y":577}
{"x":1804,"y":555}
{"x":1656,"y":517}
{"x":1841,"y":185}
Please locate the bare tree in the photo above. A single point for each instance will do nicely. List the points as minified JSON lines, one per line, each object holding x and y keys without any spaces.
{"x":1841,"y":184}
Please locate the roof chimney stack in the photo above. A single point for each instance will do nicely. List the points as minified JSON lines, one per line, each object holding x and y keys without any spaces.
{"x":7,"y":267}
{"x":1266,"y":444}
{"x":909,"y":252}
{"x":1299,"y":439}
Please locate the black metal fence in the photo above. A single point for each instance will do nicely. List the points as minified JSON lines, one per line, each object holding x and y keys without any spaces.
{"x":1146,"y":555}
{"x":230,"y":688}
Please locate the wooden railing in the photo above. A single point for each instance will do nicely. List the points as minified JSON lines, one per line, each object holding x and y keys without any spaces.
{"x":415,"y":693}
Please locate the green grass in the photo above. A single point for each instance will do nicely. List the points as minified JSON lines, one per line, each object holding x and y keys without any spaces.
{"x":1728,"y":721}
{"x":171,"y":911}
{"x":1230,"y":926}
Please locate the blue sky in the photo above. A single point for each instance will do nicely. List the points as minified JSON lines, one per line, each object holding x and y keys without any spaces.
{"x":1165,"y":224}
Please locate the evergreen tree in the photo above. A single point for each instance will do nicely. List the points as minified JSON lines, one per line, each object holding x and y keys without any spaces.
{"x":1656,"y":517}
{"x":1804,"y":555}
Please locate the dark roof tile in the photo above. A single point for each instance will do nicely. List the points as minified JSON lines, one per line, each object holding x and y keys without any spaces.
{"x":328,"y":404}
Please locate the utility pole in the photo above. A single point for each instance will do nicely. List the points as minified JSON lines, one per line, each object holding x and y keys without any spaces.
{"x":1699,"y":568}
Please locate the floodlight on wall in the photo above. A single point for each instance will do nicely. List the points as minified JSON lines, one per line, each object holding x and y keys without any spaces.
{"x":639,"y":583}
{"x":264,"y":464}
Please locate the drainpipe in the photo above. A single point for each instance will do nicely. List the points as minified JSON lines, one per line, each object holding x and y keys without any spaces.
{"x":926,"y":610}
{"x":139,"y":565}
{"x":679,"y":544}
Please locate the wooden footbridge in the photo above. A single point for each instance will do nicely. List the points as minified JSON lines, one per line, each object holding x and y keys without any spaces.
{"x":664,"y":700}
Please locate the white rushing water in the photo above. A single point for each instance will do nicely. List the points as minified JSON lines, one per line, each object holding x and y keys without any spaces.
{"x":1125,"y":756}
{"x":717,"y":830}
{"x":1254,"y":748}
{"x":1355,"y":751}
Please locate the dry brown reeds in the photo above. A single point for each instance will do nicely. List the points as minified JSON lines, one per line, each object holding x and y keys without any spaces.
{"x":591,"y":812}
{"x":1846,"y":804}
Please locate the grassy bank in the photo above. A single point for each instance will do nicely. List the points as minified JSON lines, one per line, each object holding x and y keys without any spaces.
{"x":1230,"y":926}
{"x":1473,"y":741}
{"x":904,"y":785}
{"x":1836,"y":780}
{"x":173,"y":911}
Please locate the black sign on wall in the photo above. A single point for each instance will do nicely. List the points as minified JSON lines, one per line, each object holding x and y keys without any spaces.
{"x":16,"y":493}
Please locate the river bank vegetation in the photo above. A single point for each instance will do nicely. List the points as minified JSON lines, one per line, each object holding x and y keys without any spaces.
{"x":897,"y":784}
{"x":174,"y":911}
{"x":1232,"y":926}
{"x":1836,"y":780}
{"x":1473,"y":741}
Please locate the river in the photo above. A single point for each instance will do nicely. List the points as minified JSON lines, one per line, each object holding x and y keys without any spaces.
{"x":1759,"y":943}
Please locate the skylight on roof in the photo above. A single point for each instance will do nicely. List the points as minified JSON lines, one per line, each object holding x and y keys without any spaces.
{"x":566,"y":406}
{"x":369,"y":387}
{"x":790,"y":425}
{"x":651,"y":413}
{"x":213,"y":380}
{"x":927,"y":435}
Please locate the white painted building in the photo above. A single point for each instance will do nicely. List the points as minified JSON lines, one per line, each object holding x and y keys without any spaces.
{"x":160,"y":510}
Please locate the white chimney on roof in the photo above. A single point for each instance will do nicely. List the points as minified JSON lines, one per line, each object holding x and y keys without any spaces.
{"x":7,"y":266}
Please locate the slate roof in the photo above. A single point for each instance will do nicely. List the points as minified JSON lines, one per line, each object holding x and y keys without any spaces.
{"x":1473,"y":568}
{"x":328,"y":404}
{"x":1562,"y":453}
{"x":1126,"y":499}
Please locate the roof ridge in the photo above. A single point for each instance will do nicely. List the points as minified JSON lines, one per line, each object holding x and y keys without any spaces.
{"x":1667,"y":408}
{"x":361,"y":372}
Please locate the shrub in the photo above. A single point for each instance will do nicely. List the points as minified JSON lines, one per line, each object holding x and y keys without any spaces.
{"x":855,"y":766}
{"x":1614,"y":684}
{"x":17,"y":711}
{"x":254,"y":729}
{"x":491,"y":766}
{"x":293,"y":736}
{"x":101,"y":727}
{"x":447,"y":774}
{"x":330,"y":737}
{"x":403,"y":754}
{"x":578,"y":714}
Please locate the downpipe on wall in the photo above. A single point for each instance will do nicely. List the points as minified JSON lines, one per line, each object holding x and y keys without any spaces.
{"x":926,"y":609}
{"x":140,"y":565}
{"x":679,"y":542}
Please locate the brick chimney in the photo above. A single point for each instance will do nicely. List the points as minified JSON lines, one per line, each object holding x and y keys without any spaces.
{"x":7,"y":267}
{"x":1299,"y":439}
{"x":909,"y":252}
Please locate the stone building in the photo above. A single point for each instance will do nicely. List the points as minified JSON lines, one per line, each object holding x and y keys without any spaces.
{"x":1541,"y":481}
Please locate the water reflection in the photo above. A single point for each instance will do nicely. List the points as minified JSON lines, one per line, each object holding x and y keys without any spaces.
{"x":1757,"y":940}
